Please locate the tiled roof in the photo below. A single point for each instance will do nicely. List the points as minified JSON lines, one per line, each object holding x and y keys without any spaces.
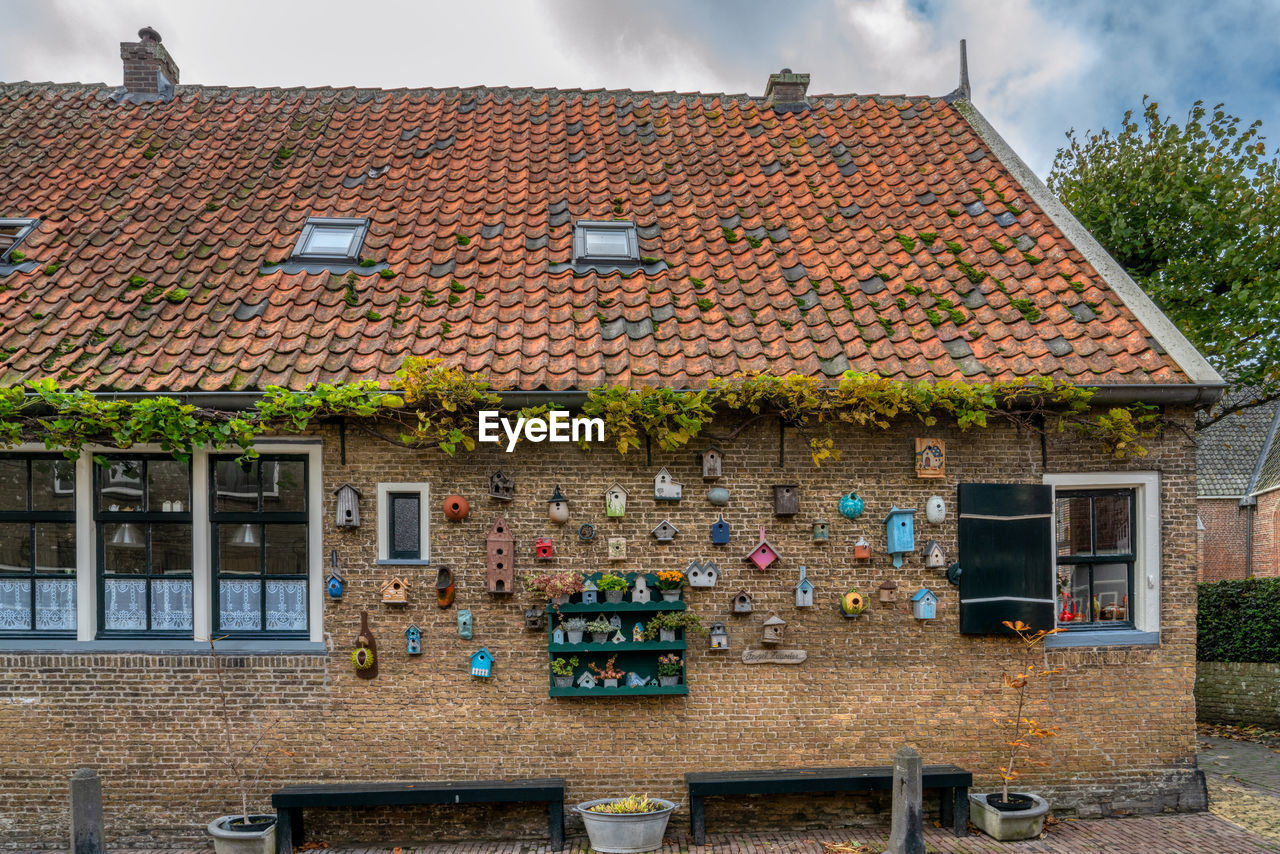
{"x":869,"y":232}
{"x":1227,"y":452}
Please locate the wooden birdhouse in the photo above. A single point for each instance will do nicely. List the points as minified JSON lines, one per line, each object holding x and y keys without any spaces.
{"x":348,"y":506}
{"x":934,"y":558}
{"x":481,"y":663}
{"x":924,"y":605}
{"x":742,"y":603}
{"x":334,"y":582}
{"x":557,"y":634}
{"x":615,"y":621}
{"x":702,"y":574}
{"x":931,"y":458}
{"x":395,"y":591}
{"x":804,"y":591}
{"x":466,"y":623}
{"x":500,"y":557}
{"x":666,"y":489}
{"x":501,"y":486}
{"x":586,"y":680}
{"x":665,"y":532}
{"x":786,"y":499}
{"x":558,"y":507}
{"x":617,"y":548}
{"x":640,"y":591}
{"x":542,"y":548}
{"x":821,"y":532}
{"x":720,"y":532}
{"x":615,"y":501}
{"x":719,"y":636}
{"x":535,"y":620}
{"x":590,"y":592}
{"x":712,"y":463}
{"x":763,"y":555}
{"x":862,"y":549}
{"x":773,"y":628}
{"x":888,"y":593}
{"x":413,"y":640}
{"x":900,"y":532}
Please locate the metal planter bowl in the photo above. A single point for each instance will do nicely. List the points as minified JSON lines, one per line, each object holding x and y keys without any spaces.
{"x":627,"y":833}
{"x":227,"y":841}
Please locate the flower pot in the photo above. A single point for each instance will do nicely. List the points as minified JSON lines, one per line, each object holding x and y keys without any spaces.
{"x":258,"y":838}
{"x":600,"y":637}
{"x":667,"y":635}
{"x":611,"y":683}
{"x":562,"y":681}
{"x":1007,"y":825}
{"x":625,"y":833}
{"x":671,"y":595}
{"x":613,"y":597}
{"x":572,"y":636}
{"x":561,"y":600}
{"x":668,"y":681}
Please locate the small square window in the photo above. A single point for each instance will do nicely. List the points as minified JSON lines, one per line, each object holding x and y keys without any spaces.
{"x":610,"y":242}
{"x":331,"y":239}
{"x":13,"y":232}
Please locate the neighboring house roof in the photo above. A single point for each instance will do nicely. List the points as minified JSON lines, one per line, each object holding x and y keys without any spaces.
{"x":1228,"y":451}
{"x":783,"y":241}
{"x":1267,"y":476}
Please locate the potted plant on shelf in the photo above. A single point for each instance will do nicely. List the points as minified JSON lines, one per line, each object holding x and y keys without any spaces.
{"x":635,"y":823}
{"x":665,"y":624}
{"x":670,"y":666}
{"x":613,"y":586}
{"x":669,"y":582}
{"x":601,"y":630}
{"x":573,"y":629}
{"x":555,"y":587}
{"x":1006,"y":815}
{"x":562,"y":671}
{"x":608,"y":673}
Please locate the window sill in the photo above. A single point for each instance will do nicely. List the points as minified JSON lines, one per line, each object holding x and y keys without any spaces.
{"x":160,"y":646}
{"x":1102,"y":637}
{"x":402,"y":563}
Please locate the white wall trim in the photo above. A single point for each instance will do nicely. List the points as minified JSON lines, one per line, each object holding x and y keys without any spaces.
{"x":382,"y":518}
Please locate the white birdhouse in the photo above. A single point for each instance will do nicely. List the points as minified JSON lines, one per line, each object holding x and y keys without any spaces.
{"x":586,"y":680}
{"x":617,"y":548}
{"x":640,"y":591}
{"x":702,"y":574}
{"x":615,"y":501}
{"x":665,"y":532}
{"x":666,"y":489}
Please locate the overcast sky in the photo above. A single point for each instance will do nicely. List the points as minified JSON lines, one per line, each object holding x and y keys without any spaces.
{"x":1038,"y":67}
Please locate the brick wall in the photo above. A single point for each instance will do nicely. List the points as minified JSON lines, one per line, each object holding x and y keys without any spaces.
{"x":1238,"y":693}
{"x":1266,"y":535}
{"x":870,"y":685}
{"x":1222,"y":543}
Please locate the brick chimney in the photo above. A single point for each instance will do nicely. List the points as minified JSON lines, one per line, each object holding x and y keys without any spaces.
{"x":148,"y":67}
{"x":785,"y":91}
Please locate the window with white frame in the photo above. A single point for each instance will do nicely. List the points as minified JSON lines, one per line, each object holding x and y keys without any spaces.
{"x":37,"y":546}
{"x":331,"y":239}
{"x":403,"y":523}
{"x":612,"y":241}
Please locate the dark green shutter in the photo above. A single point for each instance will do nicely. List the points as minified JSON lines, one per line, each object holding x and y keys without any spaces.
{"x":1006,"y":556}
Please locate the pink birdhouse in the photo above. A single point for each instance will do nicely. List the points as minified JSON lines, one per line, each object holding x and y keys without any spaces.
{"x":764,"y":554}
{"x":542,"y":548}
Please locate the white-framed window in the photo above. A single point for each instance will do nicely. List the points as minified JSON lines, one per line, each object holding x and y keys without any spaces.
{"x":614,"y":242}
{"x":331,"y":239}
{"x":404,"y":523}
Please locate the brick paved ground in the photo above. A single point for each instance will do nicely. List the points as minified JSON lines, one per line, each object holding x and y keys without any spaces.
{"x":1244,"y":783}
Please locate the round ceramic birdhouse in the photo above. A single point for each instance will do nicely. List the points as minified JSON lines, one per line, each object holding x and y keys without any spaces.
{"x":888,"y":593}
{"x":558,"y":507}
{"x":935,"y":509}
{"x":456,"y":508}
{"x":850,"y":506}
{"x":718,"y":496}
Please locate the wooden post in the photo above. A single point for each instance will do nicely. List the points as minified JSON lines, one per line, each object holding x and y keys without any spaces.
{"x":86,"y":812}
{"x":906,"y":834}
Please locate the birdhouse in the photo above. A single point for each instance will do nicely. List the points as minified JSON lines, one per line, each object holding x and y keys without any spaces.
{"x":933,"y":555}
{"x":804,"y":591}
{"x":586,"y":680}
{"x":481,"y":663}
{"x":465,"y":623}
{"x":712,"y":463}
{"x":501,"y":486}
{"x":850,"y":506}
{"x":718,"y":496}
{"x":742,"y":603}
{"x":786,"y":499}
{"x":444,"y":587}
{"x":763,"y":555}
{"x":924,"y":605}
{"x":773,"y":628}
{"x":456,"y":508}
{"x":542,"y":548}
{"x":665,"y":532}
{"x":558,"y":507}
{"x":719,"y":636}
{"x":888,"y":593}
{"x":500,"y":557}
{"x":535,"y":620}
{"x":590,"y":592}
{"x":720,"y":532}
{"x":586,"y":532}
{"x":702,"y":574}
{"x":821,"y":532}
{"x":395,"y":591}
{"x":900,"y":529}
{"x":935,"y":509}
{"x":617,"y":548}
{"x":862,"y":549}
{"x":640,"y":591}
{"x":615,"y":501}
{"x":413,"y":640}
{"x":334,"y":585}
{"x":348,"y":506}
{"x":637,"y":632}
{"x":931,"y":458}
{"x":666,"y":489}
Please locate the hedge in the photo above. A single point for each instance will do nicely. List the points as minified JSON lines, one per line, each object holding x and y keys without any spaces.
{"x":1239,"y":621}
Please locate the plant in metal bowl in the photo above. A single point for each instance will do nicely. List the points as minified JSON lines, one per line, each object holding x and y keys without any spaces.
{"x":630,"y":824}
{"x":629,"y":805}
{"x":611,"y":581}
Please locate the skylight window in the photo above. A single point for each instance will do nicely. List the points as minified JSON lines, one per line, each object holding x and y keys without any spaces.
{"x":607,"y":242}
{"x":331,"y":239}
{"x":12,"y":232}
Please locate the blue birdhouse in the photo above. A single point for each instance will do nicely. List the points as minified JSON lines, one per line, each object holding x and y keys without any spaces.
{"x":590,"y":593}
{"x":481,"y":663}
{"x":413,"y":639}
{"x":720,"y":532}
{"x":464,"y":623}
{"x":335,"y":586}
{"x":901,"y":533}
{"x":924,"y":605}
{"x":804,"y":591}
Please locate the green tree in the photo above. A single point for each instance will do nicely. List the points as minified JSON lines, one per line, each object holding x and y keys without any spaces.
{"x":1192,"y":212}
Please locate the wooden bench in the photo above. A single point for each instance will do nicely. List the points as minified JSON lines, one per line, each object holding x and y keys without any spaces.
{"x":291,"y":800}
{"x":954,"y":783}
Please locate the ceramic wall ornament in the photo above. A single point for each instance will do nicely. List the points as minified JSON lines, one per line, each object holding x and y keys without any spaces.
{"x":445,"y":589}
{"x":718,"y":496}
{"x":501,"y":487}
{"x":862,"y":549}
{"x":763,"y":554}
{"x":901,"y":533}
{"x":702,"y":574}
{"x":935,"y":509}
{"x":931,"y":458}
{"x":364,"y":657}
{"x":535,"y":620}
{"x":586,"y":532}
{"x":666,"y":489}
{"x":720,"y":532}
{"x":933,"y":555}
{"x":637,"y":633}
{"x":804,"y":591}
{"x":640,"y":591}
{"x":924,"y":604}
{"x":348,"y":501}
{"x":465,"y":623}
{"x":615,"y":501}
{"x":635,"y":680}
{"x":481,"y":663}
{"x":852,"y":604}
{"x":456,"y":508}
{"x":558,"y":507}
{"x":771,"y":631}
{"x":413,"y":640}
{"x":742,"y":603}
{"x":395,"y":591}
{"x":888,"y":593}
{"x":850,"y":506}
{"x":500,"y":557}
{"x":665,"y":532}
{"x":786,"y":499}
{"x":617,"y":548}
{"x":590,"y":592}
{"x":712,"y":463}
{"x":543,"y":549}
{"x":719,"y":636}
{"x":821,"y":532}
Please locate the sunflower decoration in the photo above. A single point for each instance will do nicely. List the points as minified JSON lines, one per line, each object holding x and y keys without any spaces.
{"x":362,"y":658}
{"x":852,"y":603}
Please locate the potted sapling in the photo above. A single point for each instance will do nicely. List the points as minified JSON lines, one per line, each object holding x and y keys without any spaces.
{"x":562,"y":671}
{"x":608,"y":673}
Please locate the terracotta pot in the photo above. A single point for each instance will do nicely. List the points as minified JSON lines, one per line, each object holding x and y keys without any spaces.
{"x":456,"y":508}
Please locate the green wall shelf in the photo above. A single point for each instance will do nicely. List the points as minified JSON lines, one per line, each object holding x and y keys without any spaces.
{"x":647,"y":691}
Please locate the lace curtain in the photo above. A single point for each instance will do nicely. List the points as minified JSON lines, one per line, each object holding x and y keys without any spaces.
{"x":125,"y":606}
{"x":240,"y":606}
{"x":55,"y":605}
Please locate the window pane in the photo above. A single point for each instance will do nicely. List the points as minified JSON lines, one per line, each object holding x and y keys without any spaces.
{"x":124,"y":548}
{"x":1111,"y":524}
{"x":56,"y":604}
{"x":330,"y":240}
{"x":1073,"y":530}
{"x":15,"y":604}
{"x":405,"y":525}
{"x":15,"y":547}
{"x":286,"y":547}
{"x":120,"y":486}
{"x":607,"y":242}
{"x":13,"y":483}
{"x":286,"y":606}
{"x":239,"y":605}
{"x":170,"y":549}
{"x":171,"y":604}
{"x":1111,"y":591}
{"x":53,"y":485}
{"x":124,"y":606}
{"x":235,"y":486}
{"x":168,"y":486}
{"x":240,"y":549}
{"x":56,"y":547}
{"x":284,"y":486}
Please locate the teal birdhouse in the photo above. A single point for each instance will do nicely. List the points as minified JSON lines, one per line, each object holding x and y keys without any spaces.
{"x":413,"y":640}
{"x":900,"y":532}
{"x":804,"y":591}
{"x":481,"y":663}
{"x":924,"y":605}
{"x":465,"y":623}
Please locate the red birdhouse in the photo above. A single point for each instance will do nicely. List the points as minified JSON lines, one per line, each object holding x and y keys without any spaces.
{"x":542,"y":548}
{"x":500,"y":562}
